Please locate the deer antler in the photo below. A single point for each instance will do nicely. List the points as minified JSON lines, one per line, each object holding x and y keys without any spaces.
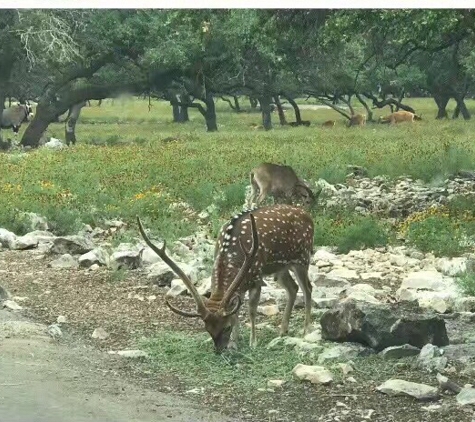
{"x":248,"y":260}
{"x":202,"y":309}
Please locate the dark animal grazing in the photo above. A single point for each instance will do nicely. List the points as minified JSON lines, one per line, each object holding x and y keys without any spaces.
{"x":399,"y":117}
{"x":14,"y":116}
{"x":357,"y":120}
{"x":301,"y":123}
{"x":281,"y":182}
{"x":264,"y":241}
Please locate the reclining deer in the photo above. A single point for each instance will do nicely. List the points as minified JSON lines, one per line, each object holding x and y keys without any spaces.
{"x":264,"y":241}
{"x":280,"y":182}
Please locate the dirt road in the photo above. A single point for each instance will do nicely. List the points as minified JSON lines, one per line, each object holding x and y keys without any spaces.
{"x":44,"y":381}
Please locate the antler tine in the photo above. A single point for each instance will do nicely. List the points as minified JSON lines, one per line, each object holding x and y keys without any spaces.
{"x":249,"y":257}
{"x":202,"y":309}
{"x":180,"y":312}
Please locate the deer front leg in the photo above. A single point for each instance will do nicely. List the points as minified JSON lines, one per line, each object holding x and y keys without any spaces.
{"x":233,"y":340}
{"x":254,"y":297}
{"x":291,"y":288}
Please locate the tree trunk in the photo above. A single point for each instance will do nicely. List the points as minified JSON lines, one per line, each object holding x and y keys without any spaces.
{"x":43,"y":117}
{"x":175,"y":108}
{"x":237,"y":107}
{"x":280,"y":110}
{"x":369,"y":112}
{"x":70,"y":127}
{"x":210,"y":114}
{"x":99,"y":103}
{"x":298,"y":116}
{"x":180,"y":110}
{"x":2,"y":106}
{"x":462,"y":108}
{"x":185,"y":99}
{"x":265,"y":111}
{"x":441,"y":101}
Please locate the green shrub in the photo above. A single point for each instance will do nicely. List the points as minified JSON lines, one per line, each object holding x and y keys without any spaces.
{"x":437,"y":234}
{"x":364,"y":232}
{"x":466,"y":283}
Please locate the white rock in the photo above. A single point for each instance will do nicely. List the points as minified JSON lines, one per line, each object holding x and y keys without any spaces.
{"x":439,"y":305}
{"x":204,"y":286}
{"x":466,"y":397}
{"x":314,"y":374}
{"x":451,"y":266}
{"x":54,"y":331}
{"x":12,"y":305}
{"x":269,"y":310}
{"x":61,"y":319}
{"x":343,"y":273}
{"x":313,"y":337}
{"x":100,"y":334}
{"x":7,"y":238}
{"x":64,"y":261}
{"x":397,"y":387}
{"x":133,"y":354}
{"x":28,"y":241}
{"x":96,"y":256}
{"x":275,"y":383}
{"x":54,"y":143}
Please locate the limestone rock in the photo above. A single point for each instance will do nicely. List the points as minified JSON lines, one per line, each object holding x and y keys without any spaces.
{"x":397,"y":387}
{"x":314,"y":374}
{"x":383,"y":325}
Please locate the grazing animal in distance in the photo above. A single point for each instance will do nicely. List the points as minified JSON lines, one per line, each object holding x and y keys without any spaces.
{"x":263,"y":241}
{"x":301,"y":123}
{"x":13,"y":117}
{"x":399,"y":117}
{"x":280,"y":182}
{"x":329,"y":123}
{"x":357,"y":120}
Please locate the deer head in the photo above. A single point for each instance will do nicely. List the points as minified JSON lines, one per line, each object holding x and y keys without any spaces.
{"x":216,"y":315}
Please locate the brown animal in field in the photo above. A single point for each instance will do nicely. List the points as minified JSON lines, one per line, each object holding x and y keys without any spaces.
{"x":357,"y":120}
{"x":255,"y":126}
{"x":329,"y":123}
{"x":399,"y":117}
{"x":281,"y":182}
{"x":264,"y":241}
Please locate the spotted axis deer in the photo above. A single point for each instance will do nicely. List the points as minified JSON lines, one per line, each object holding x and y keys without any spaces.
{"x":329,"y":123}
{"x":357,"y":120}
{"x":263,"y":241}
{"x":280,"y":182}
{"x":399,"y":117}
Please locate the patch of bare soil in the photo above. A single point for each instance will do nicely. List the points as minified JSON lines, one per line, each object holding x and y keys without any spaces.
{"x":127,"y":310}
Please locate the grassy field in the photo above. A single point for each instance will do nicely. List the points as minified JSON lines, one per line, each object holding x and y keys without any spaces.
{"x":124,"y":163}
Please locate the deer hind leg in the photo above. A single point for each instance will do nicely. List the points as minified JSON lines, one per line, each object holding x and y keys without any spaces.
{"x":254,"y":297}
{"x":287,"y":282}
{"x":301,"y":273}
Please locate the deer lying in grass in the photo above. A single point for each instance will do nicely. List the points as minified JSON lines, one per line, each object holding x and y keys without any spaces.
{"x":399,"y":117}
{"x":357,"y":120}
{"x":329,"y":123}
{"x":264,"y":241}
{"x":280,"y":182}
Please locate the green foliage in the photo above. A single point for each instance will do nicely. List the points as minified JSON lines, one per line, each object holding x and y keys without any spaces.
{"x":348,"y":231}
{"x":466,"y":282}
{"x":438,"y":234}
{"x":246,"y":370}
